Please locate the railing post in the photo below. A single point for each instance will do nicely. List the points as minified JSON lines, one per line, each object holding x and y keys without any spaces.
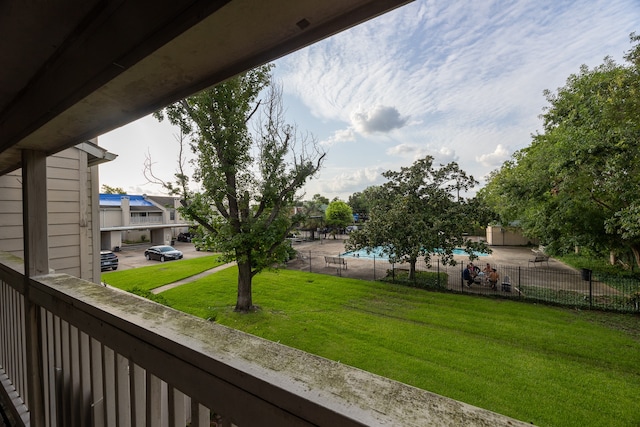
{"x":36,"y":263}
{"x":374,"y":267}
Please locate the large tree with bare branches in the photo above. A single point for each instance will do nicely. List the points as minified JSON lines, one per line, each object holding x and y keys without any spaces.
{"x":249,"y":180}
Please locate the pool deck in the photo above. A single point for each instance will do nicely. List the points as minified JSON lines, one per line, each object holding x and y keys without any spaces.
{"x":313,"y":253}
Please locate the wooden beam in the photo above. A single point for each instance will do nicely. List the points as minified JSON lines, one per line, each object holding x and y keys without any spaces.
{"x":36,"y":263}
{"x":34,"y":213}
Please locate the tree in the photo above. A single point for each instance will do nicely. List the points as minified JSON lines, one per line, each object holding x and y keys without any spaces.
{"x":577,"y":184}
{"x":106,"y":189}
{"x":249,"y":181}
{"x":313,"y":214}
{"x":419,"y":213}
{"x":360,"y":203}
{"x":319,"y":199}
{"x":338,"y":215}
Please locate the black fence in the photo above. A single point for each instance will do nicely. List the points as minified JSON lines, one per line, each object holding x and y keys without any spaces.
{"x":534,"y":282}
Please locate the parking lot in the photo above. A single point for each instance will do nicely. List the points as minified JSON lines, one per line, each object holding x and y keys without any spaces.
{"x":132,"y":256}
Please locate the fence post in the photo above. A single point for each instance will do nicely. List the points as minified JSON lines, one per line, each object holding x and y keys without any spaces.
{"x":519,"y":281}
{"x":309,"y":260}
{"x":374,"y":267}
{"x":590,"y":292}
{"x":438,"y":276}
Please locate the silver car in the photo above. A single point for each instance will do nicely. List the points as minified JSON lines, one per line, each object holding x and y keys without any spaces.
{"x":162,"y":253}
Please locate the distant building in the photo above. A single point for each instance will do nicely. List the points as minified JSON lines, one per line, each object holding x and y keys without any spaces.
{"x":72,"y":193}
{"x":498,"y":235}
{"x":139,"y":218}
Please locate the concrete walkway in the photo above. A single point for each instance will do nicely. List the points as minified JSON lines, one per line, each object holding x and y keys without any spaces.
{"x":192,"y":278}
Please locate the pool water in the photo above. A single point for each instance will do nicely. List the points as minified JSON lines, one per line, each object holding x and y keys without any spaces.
{"x":378,"y":254}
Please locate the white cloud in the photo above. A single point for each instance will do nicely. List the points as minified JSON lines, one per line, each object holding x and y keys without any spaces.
{"x":413,"y":152}
{"x":356,"y":180}
{"x":494,"y":159}
{"x":379,"y":119}
{"x":341,"y":135}
{"x":403,"y":150}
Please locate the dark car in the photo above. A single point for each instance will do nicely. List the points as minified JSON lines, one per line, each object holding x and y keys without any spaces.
{"x":185,"y":237}
{"x":162,"y":253}
{"x":108,"y":261}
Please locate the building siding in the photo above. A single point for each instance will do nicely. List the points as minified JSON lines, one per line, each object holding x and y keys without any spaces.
{"x":69,"y":192}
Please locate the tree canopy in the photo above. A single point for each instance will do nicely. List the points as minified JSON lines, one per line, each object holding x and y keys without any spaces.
{"x":577,"y":183}
{"x":338,"y":215}
{"x":359,"y":203}
{"x":107,"y":189}
{"x":419,"y":213}
{"x":249,"y":181}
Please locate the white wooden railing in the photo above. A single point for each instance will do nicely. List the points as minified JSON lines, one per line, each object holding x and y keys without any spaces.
{"x":109,"y":358}
{"x":150,"y":219}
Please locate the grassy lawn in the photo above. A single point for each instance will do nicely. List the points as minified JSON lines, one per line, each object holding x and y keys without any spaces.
{"x":156,"y":275}
{"x":545,"y":365}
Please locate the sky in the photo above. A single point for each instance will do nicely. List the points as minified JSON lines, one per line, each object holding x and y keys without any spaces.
{"x":460,"y":81}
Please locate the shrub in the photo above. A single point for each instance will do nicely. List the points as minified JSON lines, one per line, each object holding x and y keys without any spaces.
{"x":149,"y":295}
{"x":423,"y":279}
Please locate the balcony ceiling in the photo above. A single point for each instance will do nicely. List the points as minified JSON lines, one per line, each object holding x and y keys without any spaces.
{"x":74,"y":69}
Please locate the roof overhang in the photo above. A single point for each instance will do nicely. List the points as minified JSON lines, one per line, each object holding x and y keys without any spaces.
{"x":96,"y":155}
{"x":75,"y":69}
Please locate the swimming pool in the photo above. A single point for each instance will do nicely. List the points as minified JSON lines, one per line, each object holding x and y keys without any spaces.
{"x":378,"y":254}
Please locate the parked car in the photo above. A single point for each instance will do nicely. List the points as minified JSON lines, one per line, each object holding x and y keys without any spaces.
{"x":108,"y":261}
{"x":185,"y":237}
{"x":162,"y":253}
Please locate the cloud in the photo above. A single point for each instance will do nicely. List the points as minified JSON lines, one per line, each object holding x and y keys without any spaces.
{"x":442,"y":155}
{"x":379,"y":119}
{"x":341,"y":135}
{"x":494,"y":159}
{"x":352,"y":181}
{"x":403,"y":150}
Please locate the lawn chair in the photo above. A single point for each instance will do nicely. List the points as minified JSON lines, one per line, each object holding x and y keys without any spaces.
{"x":506,"y":284}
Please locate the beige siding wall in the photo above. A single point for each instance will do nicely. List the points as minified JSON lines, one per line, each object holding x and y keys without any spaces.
{"x":11,"y":214}
{"x":71,"y":237}
{"x":63,"y":181}
{"x":507,"y":236}
{"x":110,"y":217}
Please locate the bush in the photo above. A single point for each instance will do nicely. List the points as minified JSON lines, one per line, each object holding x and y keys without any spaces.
{"x":423,"y":279}
{"x":149,"y":295}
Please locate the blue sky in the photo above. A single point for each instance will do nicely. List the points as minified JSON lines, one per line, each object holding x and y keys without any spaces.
{"x":461,"y":81}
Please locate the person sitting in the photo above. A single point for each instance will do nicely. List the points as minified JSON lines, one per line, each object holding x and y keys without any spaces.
{"x":475,"y":272}
{"x":487,"y":271}
{"x":493,"y":278}
{"x":470,"y":273}
{"x":467,"y":274}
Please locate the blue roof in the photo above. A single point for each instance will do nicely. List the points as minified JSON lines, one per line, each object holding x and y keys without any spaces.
{"x":116,"y":200}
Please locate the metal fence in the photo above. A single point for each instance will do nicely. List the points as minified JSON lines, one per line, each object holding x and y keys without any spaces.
{"x":536,"y":283}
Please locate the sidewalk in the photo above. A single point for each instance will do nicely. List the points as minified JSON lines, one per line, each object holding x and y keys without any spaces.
{"x":192,"y":278}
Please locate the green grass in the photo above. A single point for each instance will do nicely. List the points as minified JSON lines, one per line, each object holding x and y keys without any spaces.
{"x":156,"y":275}
{"x":545,"y":365}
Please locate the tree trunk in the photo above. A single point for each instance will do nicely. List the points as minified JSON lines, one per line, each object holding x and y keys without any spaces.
{"x":412,"y":269}
{"x":636,"y":253}
{"x":245,"y":301}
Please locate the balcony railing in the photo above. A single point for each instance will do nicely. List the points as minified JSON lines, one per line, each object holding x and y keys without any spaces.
{"x":109,"y":358}
{"x":142,"y":220}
